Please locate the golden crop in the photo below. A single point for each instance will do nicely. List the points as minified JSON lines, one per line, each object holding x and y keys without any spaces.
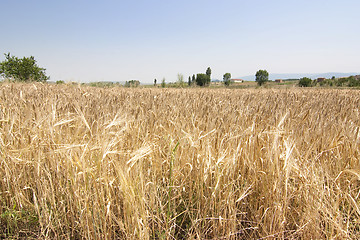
{"x":91,"y":163}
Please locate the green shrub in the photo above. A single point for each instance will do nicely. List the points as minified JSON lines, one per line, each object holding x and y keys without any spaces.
{"x":305,"y":82}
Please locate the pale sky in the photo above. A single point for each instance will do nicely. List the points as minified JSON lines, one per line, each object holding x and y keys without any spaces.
{"x":86,"y":40}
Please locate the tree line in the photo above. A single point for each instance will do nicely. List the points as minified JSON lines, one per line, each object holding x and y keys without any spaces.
{"x":204,"y":79}
{"x":26,"y":70}
{"x":352,"y":81}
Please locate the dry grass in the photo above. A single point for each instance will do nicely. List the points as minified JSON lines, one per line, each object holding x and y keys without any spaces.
{"x":91,"y":163}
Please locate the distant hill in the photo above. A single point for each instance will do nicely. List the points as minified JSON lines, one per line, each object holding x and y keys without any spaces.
{"x":215,"y":80}
{"x":273,"y":76}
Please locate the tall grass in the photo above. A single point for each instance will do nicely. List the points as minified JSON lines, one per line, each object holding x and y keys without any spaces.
{"x":91,"y":163}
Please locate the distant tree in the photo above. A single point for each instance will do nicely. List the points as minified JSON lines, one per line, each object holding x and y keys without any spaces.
{"x":262,"y":76}
{"x":193,"y":79}
{"x":180,"y":80}
{"x":208,"y":72}
{"x":202,"y":79}
{"x":22,"y":69}
{"x":155,"y":82}
{"x":227,"y":79}
{"x":163,"y":84}
{"x":60,"y":82}
{"x":132,"y":83}
{"x":189,"y":81}
{"x":305,"y":82}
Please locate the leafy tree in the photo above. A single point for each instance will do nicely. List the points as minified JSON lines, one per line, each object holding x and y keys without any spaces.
{"x":155,"y":82}
{"x":202,"y":79}
{"x":262,"y":76}
{"x":227,"y":79}
{"x":189,"y":81}
{"x":208,"y":72}
{"x":305,"y":82}
{"x":24,"y":69}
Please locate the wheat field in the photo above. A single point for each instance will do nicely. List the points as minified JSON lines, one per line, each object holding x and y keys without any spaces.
{"x":78,"y":162}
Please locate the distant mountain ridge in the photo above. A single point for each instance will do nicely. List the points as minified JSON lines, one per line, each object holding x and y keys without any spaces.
{"x":273,"y":76}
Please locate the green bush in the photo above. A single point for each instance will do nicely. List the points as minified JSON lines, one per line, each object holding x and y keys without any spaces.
{"x":305,"y":82}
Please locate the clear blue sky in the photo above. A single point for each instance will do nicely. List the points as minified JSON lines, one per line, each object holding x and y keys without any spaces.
{"x":107,"y":40}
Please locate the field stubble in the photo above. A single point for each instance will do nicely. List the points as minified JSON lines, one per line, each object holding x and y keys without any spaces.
{"x":92,"y":163}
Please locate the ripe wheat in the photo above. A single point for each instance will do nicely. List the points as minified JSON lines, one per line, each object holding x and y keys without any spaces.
{"x":90,"y":163}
